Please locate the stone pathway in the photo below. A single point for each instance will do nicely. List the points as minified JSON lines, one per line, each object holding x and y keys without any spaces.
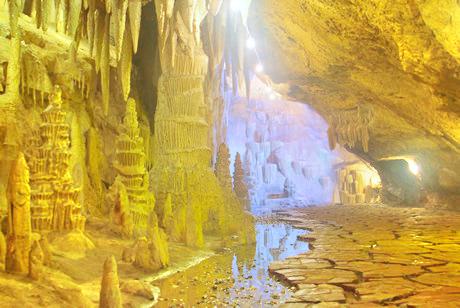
{"x":369,"y":256}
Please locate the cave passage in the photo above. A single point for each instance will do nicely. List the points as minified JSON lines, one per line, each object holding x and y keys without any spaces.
{"x":229,"y":153}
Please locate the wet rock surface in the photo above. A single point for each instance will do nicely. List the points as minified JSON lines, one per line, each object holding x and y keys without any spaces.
{"x":239,"y":276}
{"x":365,"y":256}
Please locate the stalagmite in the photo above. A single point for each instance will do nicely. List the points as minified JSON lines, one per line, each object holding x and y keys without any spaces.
{"x":36,"y":259}
{"x":56,"y":206}
{"x":158,"y":244}
{"x":130,"y":166}
{"x":135,"y":11}
{"x":19,"y":226}
{"x":239,"y":186}
{"x":167,"y":215}
{"x":222,"y":169}
{"x":118,"y":205}
{"x":110,"y":295}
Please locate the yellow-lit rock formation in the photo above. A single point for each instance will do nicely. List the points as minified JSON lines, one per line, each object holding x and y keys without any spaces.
{"x":55,"y":203}
{"x":19,"y":227}
{"x":130,"y":166}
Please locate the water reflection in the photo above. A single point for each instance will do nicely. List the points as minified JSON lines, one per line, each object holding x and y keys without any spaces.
{"x":252,"y":282}
{"x":238,"y":278}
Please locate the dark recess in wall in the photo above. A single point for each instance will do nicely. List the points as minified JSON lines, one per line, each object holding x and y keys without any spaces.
{"x":147,"y":63}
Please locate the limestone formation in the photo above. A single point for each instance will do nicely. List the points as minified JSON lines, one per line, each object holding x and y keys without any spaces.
{"x":183,"y":145}
{"x":158,"y":244}
{"x":353,"y":188}
{"x":46,"y":249}
{"x":110,"y":295}
{"x":36,"y":261}
{"x":350,"y":128}
{"x":167,"y":215}
{"x":143,"y":256}
{"x":130,"y":166}
{"x":19,"y":226}
{"x":118,"y":204}
{"x":55,"y":201}
{"x":222,"y":169}
{"x":151,"y":252}
{"x":239,"y":185}
{"x":2,"y":248}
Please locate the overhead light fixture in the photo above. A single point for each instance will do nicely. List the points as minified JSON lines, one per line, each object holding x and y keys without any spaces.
{"x":251,"y":43}
{"x":259,"y":68}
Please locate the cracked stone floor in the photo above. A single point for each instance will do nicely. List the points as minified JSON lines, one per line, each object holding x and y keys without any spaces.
{"x":369,"y":256}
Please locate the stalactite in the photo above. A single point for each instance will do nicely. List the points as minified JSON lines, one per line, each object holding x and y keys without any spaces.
{"x":331,"y":135}
{"x":105,"y":65}
{"x":135,"y":10}
{"x":108,"y":6}
{"x":99,"y":34}
{"x":124,"y":66}
{"x":38,"y":13}
{"x":74,"y":10}
{"x":119,"y":22}
{"x":47,"y":7}
{"x":14,"y":10}
{"x":90,"y":25}
{"x":350,"y":128}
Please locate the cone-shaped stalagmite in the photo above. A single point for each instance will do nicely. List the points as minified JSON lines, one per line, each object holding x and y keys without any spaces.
{"x":55,"y":202}
{"x":239,"y":186}
{"x":130,"y":166}
{"x":222,"y":170}
{"x":36,"y":260}
{"x":19,"y":226}
{"x":110,"y":296}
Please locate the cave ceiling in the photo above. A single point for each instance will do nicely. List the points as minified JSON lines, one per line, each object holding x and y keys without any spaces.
{"x":401,"y":58}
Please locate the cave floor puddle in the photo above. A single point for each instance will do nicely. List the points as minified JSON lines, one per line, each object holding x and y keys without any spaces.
{"x":236,"y":277}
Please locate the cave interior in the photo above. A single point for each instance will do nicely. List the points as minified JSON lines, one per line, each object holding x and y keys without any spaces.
{"x":229,"y":153}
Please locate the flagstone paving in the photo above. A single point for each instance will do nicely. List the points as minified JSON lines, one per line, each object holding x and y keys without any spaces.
{"x":371,"y":256}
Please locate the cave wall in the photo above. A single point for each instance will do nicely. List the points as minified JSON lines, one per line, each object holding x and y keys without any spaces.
{"x":93,"y":52}
{"x":397,"y":58}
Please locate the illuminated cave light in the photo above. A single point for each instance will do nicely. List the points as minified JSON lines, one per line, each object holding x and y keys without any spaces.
{"x":259,"y":68}
{"x":413,"y":167}
{"x":237,"y":5}
{"x":251,"y":43}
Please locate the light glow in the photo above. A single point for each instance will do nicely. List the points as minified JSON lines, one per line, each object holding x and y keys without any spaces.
{"x":413,"y":167}
{"x":251,"y":43}
{"x":237,"y":5}
{"x":259,"y":68}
